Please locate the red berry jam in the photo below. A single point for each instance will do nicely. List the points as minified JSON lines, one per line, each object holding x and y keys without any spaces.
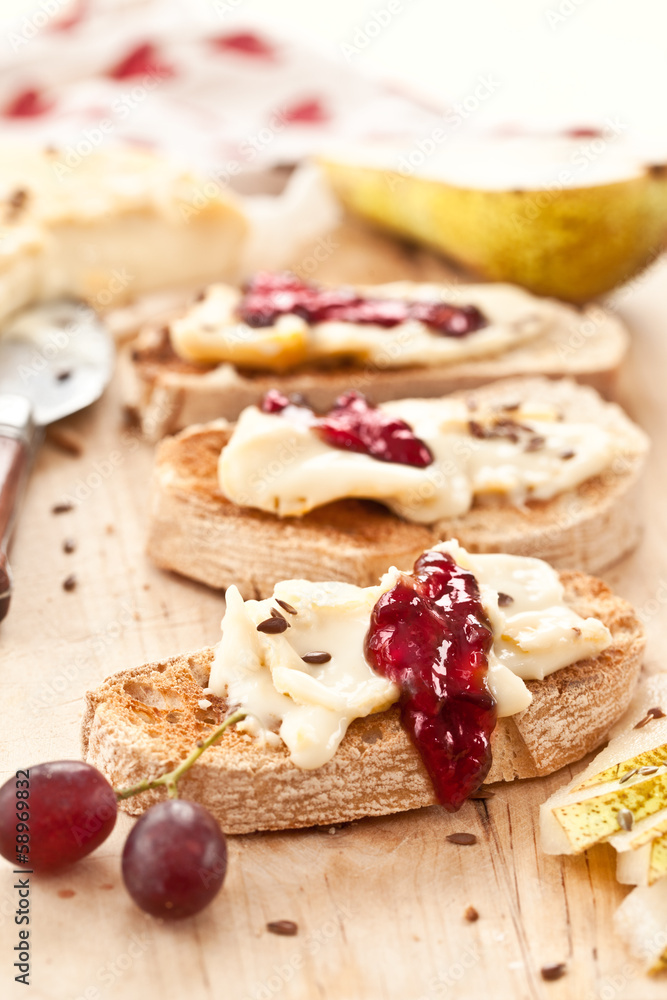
{"x":430,"y":635}
{"x":269,"y":296}
{"x":275,"y":401}
{"x":354,"y":424}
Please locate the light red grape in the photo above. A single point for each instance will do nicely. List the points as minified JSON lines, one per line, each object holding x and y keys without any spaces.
{"x":68,"y":807}
{"x":175,"y":859}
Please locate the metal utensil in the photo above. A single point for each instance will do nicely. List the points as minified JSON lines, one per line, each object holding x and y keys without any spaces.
{"x":55,"y":359}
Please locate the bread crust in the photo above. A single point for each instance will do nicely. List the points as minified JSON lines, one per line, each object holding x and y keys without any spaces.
{"x":166,"y":394}
{"x":194,"y":530}
{"x":142,"y":721}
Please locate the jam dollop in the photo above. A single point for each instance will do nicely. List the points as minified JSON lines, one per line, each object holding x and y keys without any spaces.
{"x":275,"y":401}
{"x":270,"y":295}
{"x":430,"y":635}
{"x":355,"y":424}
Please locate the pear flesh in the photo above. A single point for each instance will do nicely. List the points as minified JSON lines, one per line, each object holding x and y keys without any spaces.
{"x":586,"y":811}
{"x":642,"y":852}
{"x":518,"y":209}
{"x":641,"y":920}
{"x":655,"y":757}
{"x":595,"y":819}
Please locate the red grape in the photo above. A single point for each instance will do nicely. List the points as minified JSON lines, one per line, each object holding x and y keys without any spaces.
{"x":175,"y":859}
{"x":69,"y":809}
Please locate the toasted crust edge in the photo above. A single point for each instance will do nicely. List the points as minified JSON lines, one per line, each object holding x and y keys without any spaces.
{"x":166,"y":395}
{"x":140,"y":721}
{"x":196,"y":532}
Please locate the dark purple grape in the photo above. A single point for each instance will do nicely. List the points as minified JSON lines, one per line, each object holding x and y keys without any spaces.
{"x":61,"y":811}
{"x":175,"y":859}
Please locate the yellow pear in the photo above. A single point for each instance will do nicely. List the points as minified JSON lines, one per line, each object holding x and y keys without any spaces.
{"x":621,"y":798}
{"x":566,"y":217}
{"x":644,"y":861}
{"x":596,"y":818}
{"x":622,"y":795}
{"x":641,"y":921}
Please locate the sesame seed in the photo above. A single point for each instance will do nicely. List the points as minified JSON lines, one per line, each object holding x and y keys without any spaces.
{"x":62,"y":508}
{"x":625,"y":819}
{"x":462,"y":839}
{"x":273,"y":626}
{"x":285,"y":927}
{"x":551,"y":972}
{"x":316,"y":656}
{"x":653,"y":713}
{"x":286,"y":607}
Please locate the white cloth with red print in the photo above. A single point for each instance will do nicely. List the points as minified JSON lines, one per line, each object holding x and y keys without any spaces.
{"x":214,"y":91}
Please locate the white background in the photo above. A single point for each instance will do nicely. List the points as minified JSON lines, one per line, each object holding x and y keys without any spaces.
{"x":575,"y":59}
{"x":564,"y":60}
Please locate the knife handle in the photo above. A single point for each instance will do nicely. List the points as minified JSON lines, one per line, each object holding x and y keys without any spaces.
{"x":16,"y":432}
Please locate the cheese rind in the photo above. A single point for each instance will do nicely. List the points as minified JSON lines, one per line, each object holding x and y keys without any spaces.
{"x":120,"y":223}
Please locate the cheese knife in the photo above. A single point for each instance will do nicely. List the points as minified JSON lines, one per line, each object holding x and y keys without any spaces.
{"x":55,"y":359}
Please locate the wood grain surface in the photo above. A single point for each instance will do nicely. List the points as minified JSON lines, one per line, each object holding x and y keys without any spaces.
{"x":380,"y":904}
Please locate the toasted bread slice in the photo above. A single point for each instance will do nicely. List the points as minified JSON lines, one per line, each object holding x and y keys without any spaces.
{"x":140,"y":721}
{"x":166,"y":394}
{"x":196,"y":531}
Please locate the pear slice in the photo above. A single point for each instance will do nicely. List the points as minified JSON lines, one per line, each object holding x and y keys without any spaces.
{"x":595,"y":819}
{"x":641,"y":920}
{"x":642,"y":833}
{"x":644,"y":865}
{"x":586,"y":811}
{"x":634,"y":867}
{"x":642,"y":851}
{"x":537,"y":211}
{"x":646,"y":761}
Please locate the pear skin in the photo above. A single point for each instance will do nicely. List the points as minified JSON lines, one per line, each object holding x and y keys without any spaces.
{"x":571,"y":243}
{"x":656,"y":757}
{"x":640,"y":921}
{"x":596,"y":818}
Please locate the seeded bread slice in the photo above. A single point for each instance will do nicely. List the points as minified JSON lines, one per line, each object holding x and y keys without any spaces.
{"x":140,"y":722}
{"x":165,"y":393}
{"x":194,"y":530}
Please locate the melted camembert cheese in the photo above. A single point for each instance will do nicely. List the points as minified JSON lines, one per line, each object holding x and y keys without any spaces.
{"x":212,"y":332}
{"x":309,"y":706}
{"x":278,"y":462}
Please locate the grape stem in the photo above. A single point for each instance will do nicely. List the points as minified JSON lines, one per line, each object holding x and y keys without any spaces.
{"x":170,"y":778}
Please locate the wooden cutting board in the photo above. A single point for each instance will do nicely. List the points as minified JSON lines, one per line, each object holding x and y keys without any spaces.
{"x":380,"y":903}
